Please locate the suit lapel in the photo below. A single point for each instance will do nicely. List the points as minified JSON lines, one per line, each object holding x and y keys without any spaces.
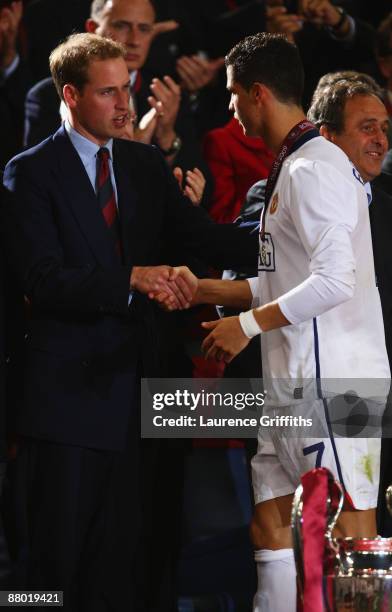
{"x":82,"y":200}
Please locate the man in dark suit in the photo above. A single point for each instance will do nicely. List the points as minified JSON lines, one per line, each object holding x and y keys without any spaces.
{"x":171,"y":128}
{"x":85,"y":235}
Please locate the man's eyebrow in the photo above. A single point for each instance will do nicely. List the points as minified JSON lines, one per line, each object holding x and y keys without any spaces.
{"x":121,"y":22}
{"x":130,"y":23}
{"x":107,"y":88}
{"x":374,"y":120}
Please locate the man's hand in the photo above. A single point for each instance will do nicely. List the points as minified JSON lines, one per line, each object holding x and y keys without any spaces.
{"x":10,"y":17}
{"x":194,"y":184}
{"x":166,"y":100}
{"x":185,"y":281}
{"x":225,"y":341}
{"x":144,"y":132}
{"x":279,"y":21}
{"x":161,"y":27}
{"x":196,"y":72}
{"x":320,"y":12}
{"x":173,"y":287}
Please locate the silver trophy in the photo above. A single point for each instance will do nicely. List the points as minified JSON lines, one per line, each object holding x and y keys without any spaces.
{"x":357,"y":571}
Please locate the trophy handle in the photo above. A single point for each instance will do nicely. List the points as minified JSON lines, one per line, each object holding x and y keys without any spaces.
{"x":334,"y":503}
{"x":388,"y":497}
{"x":333,"y":514}
{"x":296,"y":528}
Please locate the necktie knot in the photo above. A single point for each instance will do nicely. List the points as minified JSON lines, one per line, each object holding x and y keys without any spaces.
{"x":103,"y":154}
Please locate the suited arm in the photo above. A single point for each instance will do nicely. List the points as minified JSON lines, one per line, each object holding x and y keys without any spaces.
{"x":34,"y":251}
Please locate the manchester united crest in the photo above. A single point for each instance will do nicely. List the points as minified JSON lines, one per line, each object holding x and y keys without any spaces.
{"x":274,"y":204}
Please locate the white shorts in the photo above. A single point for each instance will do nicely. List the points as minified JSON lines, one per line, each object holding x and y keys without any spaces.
{"x":281,"y":459}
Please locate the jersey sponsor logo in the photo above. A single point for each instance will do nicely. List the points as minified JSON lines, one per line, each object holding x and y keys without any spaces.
{"x":266,"y":254}
{"x":358,"y":176}
{"x":274,"y":204}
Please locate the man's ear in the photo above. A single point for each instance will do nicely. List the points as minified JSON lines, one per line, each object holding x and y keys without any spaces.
{"x":70,"y":95}
{"x":259,"y":92}
{"x":328,"y":135}
{"x":91,"y":26}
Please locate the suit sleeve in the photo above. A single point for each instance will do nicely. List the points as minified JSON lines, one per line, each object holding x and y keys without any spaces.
{"x":33,"y":245}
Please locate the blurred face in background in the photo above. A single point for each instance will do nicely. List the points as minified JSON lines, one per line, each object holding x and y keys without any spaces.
{"x":130,"y":22}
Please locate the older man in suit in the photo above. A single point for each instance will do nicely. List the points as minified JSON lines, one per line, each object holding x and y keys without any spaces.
{"x":86,"y":232}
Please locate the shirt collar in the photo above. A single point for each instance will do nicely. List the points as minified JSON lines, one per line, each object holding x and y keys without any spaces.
{"x":132,"y":77}
{"x":85,"y":147}
{"x":368,"y":189}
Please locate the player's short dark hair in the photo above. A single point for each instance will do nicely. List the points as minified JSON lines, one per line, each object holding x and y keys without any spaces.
{"x":70,"y":61}
{"x":384,"y":37}
{"x":269,"y":59}
{"x":97,"y":7}
{"x":329,"y":102}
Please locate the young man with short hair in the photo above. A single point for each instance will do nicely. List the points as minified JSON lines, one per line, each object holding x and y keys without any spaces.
{"x":320,"y":315}
{"x":88,"y":220}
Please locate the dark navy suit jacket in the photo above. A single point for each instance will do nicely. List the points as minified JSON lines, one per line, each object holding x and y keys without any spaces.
{"x":84,"y":344}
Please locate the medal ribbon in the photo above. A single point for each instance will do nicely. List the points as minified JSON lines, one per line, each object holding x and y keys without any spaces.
{"x":298,"y":135}
{"x":319,"y":489}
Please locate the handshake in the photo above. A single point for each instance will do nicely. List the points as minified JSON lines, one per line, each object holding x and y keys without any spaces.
{"x":177,"y":289}
{"x":173,"y":288}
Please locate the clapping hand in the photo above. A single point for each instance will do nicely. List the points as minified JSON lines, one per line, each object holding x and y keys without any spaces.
{"x":166,"y":98}
{"x":196,"y":72}
{"x":279,"y":21}
{"x":320,"y":12}
{"x":194,"y":184}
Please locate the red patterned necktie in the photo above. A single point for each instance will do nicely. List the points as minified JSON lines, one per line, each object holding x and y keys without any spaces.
{"x":106,"y":198}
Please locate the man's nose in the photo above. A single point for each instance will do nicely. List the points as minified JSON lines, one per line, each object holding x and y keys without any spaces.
{"x":134,"y":36}
{"x":122,"y":100}
{"x":381,"y":138}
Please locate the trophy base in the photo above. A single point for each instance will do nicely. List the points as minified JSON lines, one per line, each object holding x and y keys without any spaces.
{"x":361,"y":593}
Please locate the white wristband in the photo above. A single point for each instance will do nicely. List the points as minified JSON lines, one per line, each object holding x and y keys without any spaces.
{"x":249,"y":325}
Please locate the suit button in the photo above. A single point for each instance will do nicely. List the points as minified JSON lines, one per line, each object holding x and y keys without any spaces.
{"x":26,"y":336}
{"x":86,"y":363}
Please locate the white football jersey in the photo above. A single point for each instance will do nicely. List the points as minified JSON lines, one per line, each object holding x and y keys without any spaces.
{"x":317,"y":262}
